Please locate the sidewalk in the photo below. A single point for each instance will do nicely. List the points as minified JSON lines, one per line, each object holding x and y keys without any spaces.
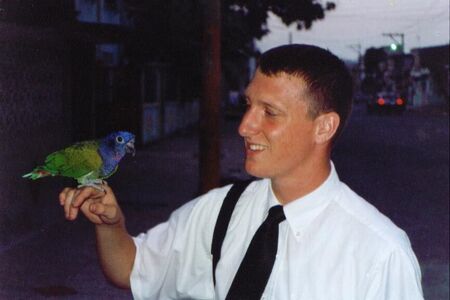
{"x":59,"y":260}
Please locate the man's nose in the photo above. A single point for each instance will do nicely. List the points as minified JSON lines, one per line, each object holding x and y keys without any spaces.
{"x":249,"y":123}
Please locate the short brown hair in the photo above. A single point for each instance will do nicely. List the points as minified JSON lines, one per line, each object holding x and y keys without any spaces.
{"x":327,"y":78}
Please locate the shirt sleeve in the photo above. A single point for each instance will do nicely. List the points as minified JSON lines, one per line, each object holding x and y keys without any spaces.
{"x":395,"y":278}
{"x":154,"y":254}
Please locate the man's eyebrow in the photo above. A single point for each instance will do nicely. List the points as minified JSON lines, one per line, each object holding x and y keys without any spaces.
{"x":270,"y":105}
{"x":247,"y":97}
{"x":264,"y":103}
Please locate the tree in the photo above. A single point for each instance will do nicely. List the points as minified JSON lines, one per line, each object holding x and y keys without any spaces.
{"x":175,"y":24}
{"x":255,"y":12}
{"x":243,"y":21}
{"x":171,"y":31}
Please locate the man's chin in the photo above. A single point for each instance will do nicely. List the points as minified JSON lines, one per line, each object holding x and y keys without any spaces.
{"x":256,"y":172}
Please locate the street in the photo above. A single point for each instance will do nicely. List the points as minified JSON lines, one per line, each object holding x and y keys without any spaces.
{"x":399,"y":163}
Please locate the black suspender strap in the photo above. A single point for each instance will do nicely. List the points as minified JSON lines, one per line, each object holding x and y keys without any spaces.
{"x":223,"y":220}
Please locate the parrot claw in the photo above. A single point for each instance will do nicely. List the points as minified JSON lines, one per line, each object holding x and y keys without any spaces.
{"x":98,"y":185}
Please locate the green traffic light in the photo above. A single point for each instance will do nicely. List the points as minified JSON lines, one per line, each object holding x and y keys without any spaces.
{"x":393,"y":47}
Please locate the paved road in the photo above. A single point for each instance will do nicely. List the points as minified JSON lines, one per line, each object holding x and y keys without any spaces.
{"x":399,"y":163}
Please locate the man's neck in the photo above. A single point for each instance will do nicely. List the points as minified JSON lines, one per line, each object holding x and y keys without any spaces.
{"x":289,"y":189}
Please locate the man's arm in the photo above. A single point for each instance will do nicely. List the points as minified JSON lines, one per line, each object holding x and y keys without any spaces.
{"x":115,"y":246}
{"x":116,"y":253}
{"x":396,"y":277}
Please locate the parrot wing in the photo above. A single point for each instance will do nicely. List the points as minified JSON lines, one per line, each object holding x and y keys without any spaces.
{"x":75,"y":161}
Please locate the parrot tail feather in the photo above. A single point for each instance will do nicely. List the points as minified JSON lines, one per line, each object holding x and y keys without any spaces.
{"x":37,"y":173}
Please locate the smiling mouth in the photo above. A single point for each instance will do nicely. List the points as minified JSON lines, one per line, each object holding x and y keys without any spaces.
{"x":256,"y":147}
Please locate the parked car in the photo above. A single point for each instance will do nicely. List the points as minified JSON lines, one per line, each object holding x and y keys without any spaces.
{"x":386,"y":102}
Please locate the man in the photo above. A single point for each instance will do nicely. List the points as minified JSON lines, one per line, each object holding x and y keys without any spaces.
{"x":331,"y":244}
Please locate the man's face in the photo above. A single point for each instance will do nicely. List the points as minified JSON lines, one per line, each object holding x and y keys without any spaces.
{"x":278,"y":134}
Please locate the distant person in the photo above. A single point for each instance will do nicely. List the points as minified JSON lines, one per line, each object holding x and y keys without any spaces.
{"x":320,"y":240}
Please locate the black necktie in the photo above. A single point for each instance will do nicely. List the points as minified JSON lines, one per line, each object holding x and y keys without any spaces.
{"x":254,"y":271}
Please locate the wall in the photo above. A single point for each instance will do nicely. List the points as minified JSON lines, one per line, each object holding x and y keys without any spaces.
{"x":33,"y":123}
{"x":430,"y":76}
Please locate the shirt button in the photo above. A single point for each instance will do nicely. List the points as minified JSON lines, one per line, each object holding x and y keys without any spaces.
{"x":298,"y":234}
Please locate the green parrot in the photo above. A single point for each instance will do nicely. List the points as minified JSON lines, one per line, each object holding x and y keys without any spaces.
{"x":89,"y":162}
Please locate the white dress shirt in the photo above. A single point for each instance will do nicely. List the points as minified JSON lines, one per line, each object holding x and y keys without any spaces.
{"x":332,"y":245}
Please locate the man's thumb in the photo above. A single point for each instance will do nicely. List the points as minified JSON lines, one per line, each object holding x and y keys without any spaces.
{"x":108,"y":213}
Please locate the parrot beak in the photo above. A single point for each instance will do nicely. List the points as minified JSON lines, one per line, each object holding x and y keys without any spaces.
{"x":130,"y":148}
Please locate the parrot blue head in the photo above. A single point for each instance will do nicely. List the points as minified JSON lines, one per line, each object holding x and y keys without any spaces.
{"x":118,"y":144}
{"x":112,"y":149}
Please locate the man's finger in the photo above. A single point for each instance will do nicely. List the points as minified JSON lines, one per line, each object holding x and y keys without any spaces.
{"x":63,"y":196}
{"x":108,"y":213}
{"x":85,"y":208}
{"x":68,"y":202}
{"x":86,"y":193}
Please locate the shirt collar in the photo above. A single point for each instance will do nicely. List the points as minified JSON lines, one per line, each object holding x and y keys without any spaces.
{"x":302,"y":211}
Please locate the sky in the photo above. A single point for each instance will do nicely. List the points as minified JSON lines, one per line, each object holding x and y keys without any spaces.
{"x":356,"y":25}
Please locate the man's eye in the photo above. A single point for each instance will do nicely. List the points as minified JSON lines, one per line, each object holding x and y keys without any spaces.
{"x":270,"y":113}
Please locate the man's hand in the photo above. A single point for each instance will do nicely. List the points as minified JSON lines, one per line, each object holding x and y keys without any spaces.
{"x":98,"y":206}
{"x":116,"y":248}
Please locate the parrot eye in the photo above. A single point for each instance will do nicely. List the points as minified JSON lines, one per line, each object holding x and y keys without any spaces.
{"x":120,"y":140}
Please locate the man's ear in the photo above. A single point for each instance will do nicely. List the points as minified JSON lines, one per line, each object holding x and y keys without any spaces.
{"x":326,"y":126}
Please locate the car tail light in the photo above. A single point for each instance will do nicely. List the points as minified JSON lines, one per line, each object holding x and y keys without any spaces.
{"x":399,"y":101}
{"x":381,"y":101}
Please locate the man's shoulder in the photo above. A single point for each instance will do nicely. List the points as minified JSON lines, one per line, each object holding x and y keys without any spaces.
{"x":209,"y":204}
{"x":369,"y":221}
{"x":215,"y":197}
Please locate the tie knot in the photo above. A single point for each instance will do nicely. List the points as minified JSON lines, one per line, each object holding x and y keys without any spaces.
{"x":276,"y":215}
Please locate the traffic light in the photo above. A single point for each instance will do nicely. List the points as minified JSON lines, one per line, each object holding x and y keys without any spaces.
{"x":395,"y":48}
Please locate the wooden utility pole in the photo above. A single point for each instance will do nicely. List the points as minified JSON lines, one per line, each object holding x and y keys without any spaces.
{"x":209,"y":142}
